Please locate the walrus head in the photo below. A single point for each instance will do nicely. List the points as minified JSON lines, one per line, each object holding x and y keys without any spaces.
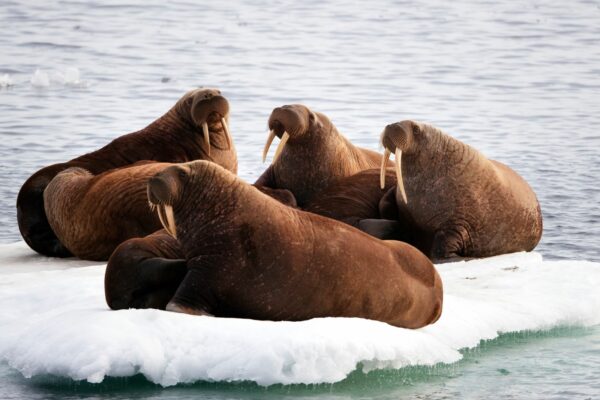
{"x":181,"y":188}
{"x":291,"y":122}
{"x":163,"y":190}
{"x":207,"y":109}
{"x":398,"y":138}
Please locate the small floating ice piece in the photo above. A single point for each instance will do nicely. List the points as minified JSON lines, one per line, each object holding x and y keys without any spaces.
{"x":72,"y":76}
{"x":40,"y":79}
{"x":5,"y":81}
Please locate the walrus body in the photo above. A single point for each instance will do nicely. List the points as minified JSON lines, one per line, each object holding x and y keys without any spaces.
{"x":248,"y":256}
{"x":458,"y":202}
{"x":92,"y":214}
{"x":150,"y":260}
{"x":355,"y":200}
{"x":312,"y":154}
{"x":195,"y":128}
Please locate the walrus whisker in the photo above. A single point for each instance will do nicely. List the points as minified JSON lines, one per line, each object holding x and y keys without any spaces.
{"x":281,"y":145}
{"x":384,"y":160}
{"x":206,"y":137}
{"x":268,"y":144}
{"x":227,"y":135}
{"x":399,"y":174}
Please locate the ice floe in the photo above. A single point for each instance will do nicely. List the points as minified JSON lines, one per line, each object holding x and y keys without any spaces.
{"x":54,"y":320}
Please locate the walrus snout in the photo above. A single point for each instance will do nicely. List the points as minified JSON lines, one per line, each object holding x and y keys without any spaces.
{"x":397,"y":135}
{"x":163,"y":190}
{"x":396,"y":138}
{"x":209,"y":106}
{"x":285,"y":122}
{"x":293,"y":119}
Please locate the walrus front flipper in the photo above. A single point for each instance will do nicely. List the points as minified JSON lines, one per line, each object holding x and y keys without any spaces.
{"x":31,"y":215}
{"x":449,"y":245}
{"x":388,"y":209}
{"x":193,"y":295}
{"x":384,"y":229}
{"x":144,"y":272}
{"x":283,"y":196}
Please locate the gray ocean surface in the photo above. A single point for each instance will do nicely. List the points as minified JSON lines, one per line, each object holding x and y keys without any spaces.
{"x":518,"y":80}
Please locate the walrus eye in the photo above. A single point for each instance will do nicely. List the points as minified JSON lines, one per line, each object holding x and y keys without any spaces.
{"x":182,"y":174}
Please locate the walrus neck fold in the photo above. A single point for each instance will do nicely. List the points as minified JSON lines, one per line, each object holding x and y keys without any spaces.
{"x":212,"y":208}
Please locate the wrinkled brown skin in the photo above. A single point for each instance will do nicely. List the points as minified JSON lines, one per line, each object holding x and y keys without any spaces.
{"x":92,"y":214}
{"x":174,"y":137}
{"x":355,"y":200}
{"x":316,"y":155}
{"x":137,"y":266}
{"x":460,"y":204}
{"x":248,"y":256}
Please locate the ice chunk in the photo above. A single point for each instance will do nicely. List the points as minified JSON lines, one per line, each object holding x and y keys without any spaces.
{"x":55,"y":321}
{"x":40,"y":79}
{"x":5,"y":81}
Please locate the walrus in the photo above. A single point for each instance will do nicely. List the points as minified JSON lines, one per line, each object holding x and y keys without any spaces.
{"x":311,"y":155}
{"x":248,"y":256}
{"x":92,"y":214}
{"x":144,"y":272}
{"x":196,"y":127}
{"x":458,"y":203}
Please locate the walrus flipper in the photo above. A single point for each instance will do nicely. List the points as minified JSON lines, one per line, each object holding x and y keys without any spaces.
{"x":384,"y":229}
{"x":193,"y":296}
{"x":144,"y":272}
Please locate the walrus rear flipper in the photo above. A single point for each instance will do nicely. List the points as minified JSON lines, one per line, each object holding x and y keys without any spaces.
{"x":31,"y":215}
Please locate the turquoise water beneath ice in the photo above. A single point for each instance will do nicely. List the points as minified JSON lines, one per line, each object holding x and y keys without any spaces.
{"x":518,"y":80}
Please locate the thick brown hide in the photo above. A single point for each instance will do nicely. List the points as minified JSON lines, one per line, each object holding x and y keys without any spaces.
{"x":249,"y":256}
{"x":177,"y":136}
{"x":460,"y":203}
{"x":315,"y":154}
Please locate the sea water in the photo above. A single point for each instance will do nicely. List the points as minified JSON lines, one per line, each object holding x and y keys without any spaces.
{"x":518,"y":80}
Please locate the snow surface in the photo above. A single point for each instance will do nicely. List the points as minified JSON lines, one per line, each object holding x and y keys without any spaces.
{"x":54,"y":320}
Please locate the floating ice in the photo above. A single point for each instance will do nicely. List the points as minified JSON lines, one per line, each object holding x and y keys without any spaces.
{"x":5,"y":81}
{"x":71,"y":77}
{"x":40,"y":79}
{"x":54,"y":320}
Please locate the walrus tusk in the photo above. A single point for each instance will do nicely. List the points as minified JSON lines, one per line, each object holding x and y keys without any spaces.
{"x":268,"y":144}
{"x":206,"y":137}
{"x":384,"y":160}
{"x":227,"y":135}
{"x":160,"y":216}
{"x":167,"y":219}
{"x":171,"y":220}
{"x":400,"y":183}
{"x":281,"y":145}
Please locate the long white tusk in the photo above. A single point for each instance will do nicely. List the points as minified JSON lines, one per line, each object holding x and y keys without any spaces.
{"x":171,"y":220}
{"x":167,"y":219}
{"x":227,"y":135}
{"x":384,"y":160}
{"x":268,"y":144}
{"x":280,"y":147}
{"x":206,"y":137}
{"x":161,"y":218}
{"x":400,"y":183}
